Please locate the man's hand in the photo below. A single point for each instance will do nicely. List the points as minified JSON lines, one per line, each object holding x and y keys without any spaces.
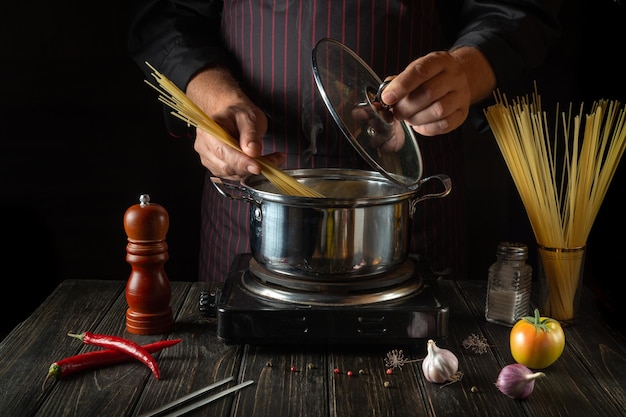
{"x":219,"y":96}
{"x":434,"y":93}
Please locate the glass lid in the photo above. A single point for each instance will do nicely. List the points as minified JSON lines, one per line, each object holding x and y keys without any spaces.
{"x":350,"y":89}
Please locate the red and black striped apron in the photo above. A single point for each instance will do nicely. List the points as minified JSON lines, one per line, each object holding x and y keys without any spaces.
{"x":273,"y":42}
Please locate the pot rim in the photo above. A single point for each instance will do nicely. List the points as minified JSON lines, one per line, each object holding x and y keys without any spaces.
{"x":251,"y":183}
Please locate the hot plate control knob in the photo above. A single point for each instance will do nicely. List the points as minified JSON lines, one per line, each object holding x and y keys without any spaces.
{"x":209,"y":300}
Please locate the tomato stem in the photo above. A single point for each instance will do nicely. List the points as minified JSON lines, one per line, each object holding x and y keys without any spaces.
{"x":540,"y":325}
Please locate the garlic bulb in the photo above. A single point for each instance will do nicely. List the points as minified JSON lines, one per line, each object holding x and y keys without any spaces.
{"x":517,"y":381}
{"x":439,"y":364}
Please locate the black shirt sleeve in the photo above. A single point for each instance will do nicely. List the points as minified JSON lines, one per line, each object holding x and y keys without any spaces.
{"x":178,"y":38}
{"x":514,"y":35}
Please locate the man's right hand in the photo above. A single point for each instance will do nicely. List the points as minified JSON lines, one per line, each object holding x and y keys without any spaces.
{"x":218,"y":94}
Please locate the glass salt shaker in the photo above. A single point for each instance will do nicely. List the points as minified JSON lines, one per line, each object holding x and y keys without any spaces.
{"x":508,"y":284}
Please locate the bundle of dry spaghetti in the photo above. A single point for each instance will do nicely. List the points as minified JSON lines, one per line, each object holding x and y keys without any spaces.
{"x":562,"y":176}
{"x":189,"y":112}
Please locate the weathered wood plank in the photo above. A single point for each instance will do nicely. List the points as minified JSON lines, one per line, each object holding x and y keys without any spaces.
{"x":587,"y":380}
{"x":197,"y":362}
{"x":28,"y":351}
{"x":279,"y":391}
{"x":479,"y":370}
{"x":570,"y":383}
{"x":601,"y":350}
{"x":111,"y":390}
{"x":367,"y":395}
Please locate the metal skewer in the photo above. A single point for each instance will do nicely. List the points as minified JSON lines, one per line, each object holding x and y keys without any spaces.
{"x":213,"y":397}
{"x":193,"y":406}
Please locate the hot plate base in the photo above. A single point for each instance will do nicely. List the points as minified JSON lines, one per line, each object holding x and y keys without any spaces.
{"x":244,"y":317}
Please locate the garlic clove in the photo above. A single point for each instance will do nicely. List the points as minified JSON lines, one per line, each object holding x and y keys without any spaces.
{"x":517,"y":381}
{"x":440,"y":364}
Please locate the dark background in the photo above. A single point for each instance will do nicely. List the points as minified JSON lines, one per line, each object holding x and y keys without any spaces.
{"x":82,"y":136}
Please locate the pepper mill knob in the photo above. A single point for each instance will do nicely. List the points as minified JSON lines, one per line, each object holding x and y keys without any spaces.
{"x":148,"y":291}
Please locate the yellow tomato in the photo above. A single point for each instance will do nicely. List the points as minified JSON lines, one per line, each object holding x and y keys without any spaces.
{"x":537,"y":342}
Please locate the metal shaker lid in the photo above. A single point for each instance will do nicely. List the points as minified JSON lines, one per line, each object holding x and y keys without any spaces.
{"x":351,"y":91}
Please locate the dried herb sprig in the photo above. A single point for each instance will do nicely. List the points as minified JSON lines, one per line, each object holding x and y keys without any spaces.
{"x":396,"y":359}
{"x":456,"y":377}
{"x":475,"y":343}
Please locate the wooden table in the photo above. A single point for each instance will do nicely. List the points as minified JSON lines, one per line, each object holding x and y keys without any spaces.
{"x":588,"y":380}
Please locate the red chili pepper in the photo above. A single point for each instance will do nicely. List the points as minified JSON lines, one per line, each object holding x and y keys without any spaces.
{"x":82,"y":361}
{"x":121,"y":345}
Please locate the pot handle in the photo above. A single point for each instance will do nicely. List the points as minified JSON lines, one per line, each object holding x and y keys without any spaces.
{"x":445,"y":180}
{"x":221,"y":187}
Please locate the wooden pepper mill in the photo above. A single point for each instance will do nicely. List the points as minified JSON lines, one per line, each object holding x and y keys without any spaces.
{"x":148,"y":291}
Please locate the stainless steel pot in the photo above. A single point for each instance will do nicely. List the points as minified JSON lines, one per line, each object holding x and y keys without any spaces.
{"x":361,"y":227}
